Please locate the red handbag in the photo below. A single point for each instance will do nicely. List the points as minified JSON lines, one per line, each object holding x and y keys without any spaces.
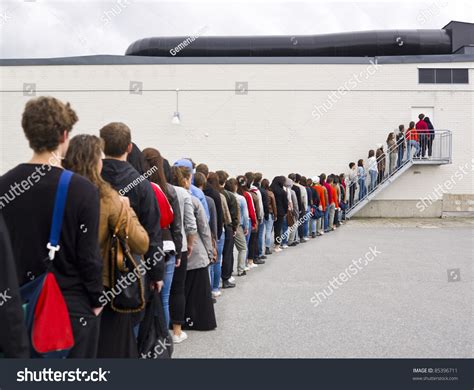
{"x":46,"y":313}
{"x":51,"y":329}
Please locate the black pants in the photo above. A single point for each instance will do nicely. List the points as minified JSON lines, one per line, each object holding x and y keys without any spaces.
{"x":352,"y":191}
{"x":116,"y":339}
{"x":277,"y":228}
{"x":177,"y":292}
{"x":430,"y":144}
{"x":253,"y":246}
{"x":199,"y":311}
{"x":228,"y":254}
{"x":423,"y":144}
{"x":85,"y":327}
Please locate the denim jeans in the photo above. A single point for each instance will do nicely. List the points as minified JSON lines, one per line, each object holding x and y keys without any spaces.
{"x":312,"y":226}
{"x":416,"y":145}
{"x":306,"y":224}
{"x":215,"y":269}
{"x":284,"y":231}
{"x":362,"y":189}
{"x":352,"y":191}
{"x":400,"y":156}
{"x":268,"y":231}
{"x":165,"y":291}
{"x":373,"y":180}
{"x":261,"y":237}
{"x":326,"y":219}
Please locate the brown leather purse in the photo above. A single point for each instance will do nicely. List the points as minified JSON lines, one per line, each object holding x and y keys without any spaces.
{"x":129,"y":296}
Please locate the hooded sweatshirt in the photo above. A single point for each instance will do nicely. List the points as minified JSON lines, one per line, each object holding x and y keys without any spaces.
{"x":128,"y":182}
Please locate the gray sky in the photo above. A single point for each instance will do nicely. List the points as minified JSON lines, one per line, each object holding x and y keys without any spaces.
{"x":42,"y":28}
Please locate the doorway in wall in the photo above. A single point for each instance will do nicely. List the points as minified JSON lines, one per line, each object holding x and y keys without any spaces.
{"x":428,"y":111}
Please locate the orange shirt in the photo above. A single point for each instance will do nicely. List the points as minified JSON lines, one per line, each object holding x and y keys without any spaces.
{"x":322,"y":198}
{"x":412,"y":134}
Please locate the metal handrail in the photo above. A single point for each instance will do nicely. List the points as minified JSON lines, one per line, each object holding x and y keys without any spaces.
{"x":445,"y":154}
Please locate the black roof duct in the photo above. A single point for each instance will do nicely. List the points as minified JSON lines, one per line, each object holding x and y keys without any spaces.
{"x":349,"y":44}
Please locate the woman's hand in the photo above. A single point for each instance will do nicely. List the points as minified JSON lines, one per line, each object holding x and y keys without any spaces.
{"x":156,"y":286}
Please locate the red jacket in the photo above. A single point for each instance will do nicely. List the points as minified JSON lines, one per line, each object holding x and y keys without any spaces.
{"x":421,"y":126}
{"x":329,"y":190}
{"x":251,"y":207}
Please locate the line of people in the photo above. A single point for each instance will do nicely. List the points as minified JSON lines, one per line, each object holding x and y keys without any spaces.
{"x":129,"y":211}
{"x":364,"y":178}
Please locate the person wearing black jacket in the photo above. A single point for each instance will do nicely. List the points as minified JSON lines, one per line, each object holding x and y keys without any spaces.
{"x":123,"y":177}
{"x":261,"y":229}
{"x":301,"y":207}
{"x":13,"y":337}
{"x":172,"y":236}
{"x":309,"y":201}
{"x":430,"y":137}
{"x":230,"y":231}
{"x":281,"y":200}
{"x":212,"y":193}
{"x":303,"y":201}
{"x":28,"y":211}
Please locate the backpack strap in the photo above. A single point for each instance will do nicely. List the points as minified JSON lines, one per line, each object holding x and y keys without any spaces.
{"x":58,"y":212}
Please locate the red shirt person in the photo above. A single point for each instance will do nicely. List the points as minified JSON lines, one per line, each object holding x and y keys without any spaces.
{"x":423,"y":132}
{"x":421,"y":126}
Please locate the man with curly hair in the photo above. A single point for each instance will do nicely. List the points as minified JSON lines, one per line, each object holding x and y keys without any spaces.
{"x":27,"y":195}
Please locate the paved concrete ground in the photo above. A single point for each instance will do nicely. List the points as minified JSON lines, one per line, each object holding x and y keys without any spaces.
{"x":398,"y":305}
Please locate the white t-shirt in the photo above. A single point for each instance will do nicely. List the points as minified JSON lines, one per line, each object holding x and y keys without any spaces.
{"x":372,"y":163}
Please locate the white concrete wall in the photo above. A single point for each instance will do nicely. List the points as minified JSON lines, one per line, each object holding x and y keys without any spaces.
{"x":271,"y":131}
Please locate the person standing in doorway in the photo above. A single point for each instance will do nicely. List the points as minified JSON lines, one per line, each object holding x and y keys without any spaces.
{"x":430,"y":136}
{"x":422,"y":129}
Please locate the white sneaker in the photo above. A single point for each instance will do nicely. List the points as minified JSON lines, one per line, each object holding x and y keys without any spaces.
{"x":306,"y":238}
{"x":216,"y":294}
{"x":284,"y":246}
{"x":322,"y":233}
{"x":253,"y":265}
{"x":232,"y":279}
{"x":277,"y":250}
{"x":179,"y":339}
{"x":246,"y":268}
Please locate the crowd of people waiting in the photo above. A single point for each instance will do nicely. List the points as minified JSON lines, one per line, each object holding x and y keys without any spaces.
{"x":364,"y":177}
{"x":128,"y":209}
